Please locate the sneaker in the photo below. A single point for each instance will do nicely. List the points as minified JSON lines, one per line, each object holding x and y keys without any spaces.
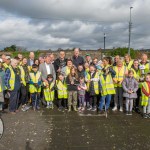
{"x":60,"y":109}
{"x":100,"y":112}
{"x":145,"y":116}
{"x":69,"y":108}
{"x":114,"y":109}
{"x":47,"y":106}
{"x":89,"y":108}
{"x":130,"y":113}
{"x":79,"y":108}
{"x":148,"y":115}
{"x":75,"y":108}
{"x":121,"y":109}
{"x":38,"y":108}
{"x":83,"y":109}
{"x":93,"y":109}
{"x":138,"y":110}
{"x":127,"y":113}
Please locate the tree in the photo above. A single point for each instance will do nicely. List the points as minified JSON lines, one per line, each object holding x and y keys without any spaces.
{"x":12,"y":48}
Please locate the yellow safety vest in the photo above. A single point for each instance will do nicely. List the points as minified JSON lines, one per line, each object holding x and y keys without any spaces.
{"x":0,"y":88}
{"x":5,"y":66}
{"x":34,"y":78}
{"x":96,"y":83}
{"x":145,"y":98}
{"x":67,"y":71}
{"x":22,"y":75}
{"x":62,"y":89}
{"x":119,"y":75}
{"x":107,"y":85}
{"x":147,"y":68}
{"x":48,"y":94}
{"x":12,"y":78}
{"x":129,"y":65}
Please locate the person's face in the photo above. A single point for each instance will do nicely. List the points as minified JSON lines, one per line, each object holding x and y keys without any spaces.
{"x":148,"y":78}
{"x":105,"y":63}
{"x":14,"y":64}
{"x":41,"y":60}
{"x":136,"y":64}
{"x":126,"y":58}
{"x":37,"y":62}
{"x":81,"y":80}
{"x":144,"y":58}
{"x":20,"y":56}
{"x":31,"y":55}
{"x":95,"y":61}
{"x":88,"y":58}
{"x":50,"y":79}
{"x":131,"y":75}
{"x":92,"y":69}
{"x":86,"y":65}
{"x":119,"y":64}
{"x":35,"y":69}
{"x":24,"y":61}
{"x":7,"y":61}
{"x":3,"y":58}
{"x":73,"y":71}
{"x":61,"y":77}
{"x":80,"y":68}
{"x":117,"y":58}
{"x":47,"y":60}
{"x":62,"y":55}
{"x":76,"y":52}
{"x":69,"y":63}
{"x":52,"y":58}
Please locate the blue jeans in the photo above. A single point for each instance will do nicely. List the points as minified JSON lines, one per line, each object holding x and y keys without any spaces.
{"x":35,"y":97}
{"x":102,"y":99}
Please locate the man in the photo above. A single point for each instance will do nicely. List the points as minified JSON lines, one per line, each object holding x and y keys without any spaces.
{"x":52,"y":58}
{"x":88,"y":59}
{"x":12,"y":83}
{"x":31,"y":59}
{"x":60,"y":62}
{"x":47,"y":68}
{"x":76,"y":58}
{"x":6,"y":63}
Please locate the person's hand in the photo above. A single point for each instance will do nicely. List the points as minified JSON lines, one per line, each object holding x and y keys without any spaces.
{"x":72,"y":82}
{"x":88,"y":81}
{"x":58,"y":70}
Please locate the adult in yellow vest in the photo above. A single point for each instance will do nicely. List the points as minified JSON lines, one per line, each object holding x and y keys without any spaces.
{"x":127,"y":61}
{"x":66,"y":70}
{"x":49,"y":91}
{"x":62,"y":91}
{"x":116,"y":59}
{"x":136,"y":70}
{"x":6,"y":62}
{"x":146,"y":97}
{"x":106,"y":85}
{"x":92,"y":79}
{"x":121,"y":72}
{"x":35,"y":86}
{"x":12,"y":82}
{"x":24,"y":83}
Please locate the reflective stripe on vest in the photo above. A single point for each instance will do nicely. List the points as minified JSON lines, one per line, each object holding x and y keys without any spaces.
{"x":107,"y":85}
{"x":35,"y":79}
{"x":62,"y":89}
{"x":49,"y":95}
{"x":129,"y":65}
{"x":120,"y":74}
{"x":145,"y":98}
{"x":0,"y":88}
{"x":96,"y":84}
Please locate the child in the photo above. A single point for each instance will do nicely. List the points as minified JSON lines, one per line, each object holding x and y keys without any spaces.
{"x":61,"y":91}
{"x":35,"y":86}
{"x":146,"y":97}
{"x":49,"y":91}
{"x":72,"y":83}
{"x":92,"y":79}
{"x":81,"y":72}
{"x":81,"y":93}
{"x":130,"y":87}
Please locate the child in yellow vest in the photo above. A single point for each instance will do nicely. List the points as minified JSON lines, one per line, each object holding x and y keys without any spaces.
{"x":61,"y":92}
{"x":146,"y":97}
{"x":49,"y":91}
{"x":35,"y":86}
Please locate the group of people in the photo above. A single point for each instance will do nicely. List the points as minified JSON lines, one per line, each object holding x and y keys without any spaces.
{"x":75,"y":83}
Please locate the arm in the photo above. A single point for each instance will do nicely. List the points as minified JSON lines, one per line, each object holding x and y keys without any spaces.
{"x":124,"y":85}
{"x":53,"y":72}
{"x":112,"y":72}
{"x":145,"y":92}
{"x":7,"y":78}
{"x":136,"y":86}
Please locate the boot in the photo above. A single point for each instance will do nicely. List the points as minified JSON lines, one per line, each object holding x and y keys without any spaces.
{"x":69,"y":108}
{"x":75,"y":108}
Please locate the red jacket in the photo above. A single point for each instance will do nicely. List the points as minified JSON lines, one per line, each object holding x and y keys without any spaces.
{"x":144,"y":91}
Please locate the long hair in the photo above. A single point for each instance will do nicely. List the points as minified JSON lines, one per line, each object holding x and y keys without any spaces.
{"x":70,"y":74}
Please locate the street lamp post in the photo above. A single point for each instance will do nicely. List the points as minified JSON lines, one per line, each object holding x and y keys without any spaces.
{"x":104,"y":40}
{"x":130,"y":25}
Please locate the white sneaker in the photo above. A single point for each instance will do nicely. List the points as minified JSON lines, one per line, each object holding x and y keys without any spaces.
{"x":121,"y":109}
{"x":79,"y":108}
{"x":114,"y":109}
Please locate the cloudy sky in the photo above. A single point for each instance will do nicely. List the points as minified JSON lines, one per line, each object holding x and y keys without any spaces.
{"x":45,"y":24}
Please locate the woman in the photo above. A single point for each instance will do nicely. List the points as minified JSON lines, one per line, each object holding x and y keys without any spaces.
{"x":127,"y":61}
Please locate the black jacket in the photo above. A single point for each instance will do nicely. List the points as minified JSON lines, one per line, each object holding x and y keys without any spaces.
{"x":57,"y":64}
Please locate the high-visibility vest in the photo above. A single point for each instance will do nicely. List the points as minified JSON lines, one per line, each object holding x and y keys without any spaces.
{"x":96,"y":83}
{"x":22,"y":75}
{"x":129,"y":65}
{"x":147,"y":67}
{"x":0,"y":88}
{"x":12,"y":78}
{"x":5,"y":66}
{"x":107,"y":85}
{"x":145,"y":98}
{"x":48,"y":92}
{"x":34,"y":78}
{"x":136,"y":73}
{"x":62,"y":89}
{"x":120,"y":74}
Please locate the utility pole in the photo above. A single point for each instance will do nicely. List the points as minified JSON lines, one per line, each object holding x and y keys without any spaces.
{"x":130,"y":26}
{"x":104,"y":41}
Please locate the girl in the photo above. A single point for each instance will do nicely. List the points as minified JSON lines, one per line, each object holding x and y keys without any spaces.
{"x":92,"y":79}
{"x":49,"y":91}
{"x":130,"y":87}
{"x":106,"y":84}
{"x":61,"y":91}
{"x":81,"y":93}
{"x":127,"y":61}
{"x":72,"y":82}
{"x":146,"y":97}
